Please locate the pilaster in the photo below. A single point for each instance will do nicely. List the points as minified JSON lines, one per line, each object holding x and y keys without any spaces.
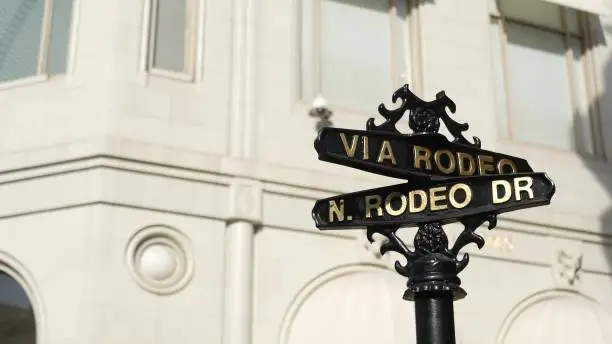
{"x":244,"y":215}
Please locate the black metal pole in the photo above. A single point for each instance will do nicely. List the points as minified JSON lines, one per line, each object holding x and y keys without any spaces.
{"x":435,"y":322}
{"x":433,"y":285}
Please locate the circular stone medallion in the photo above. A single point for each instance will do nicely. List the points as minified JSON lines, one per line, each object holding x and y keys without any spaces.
{"x":159,"y":259}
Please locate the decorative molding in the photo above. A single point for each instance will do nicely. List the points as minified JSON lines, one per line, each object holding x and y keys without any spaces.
{"x":160,"y":259}
{"x":567,"y":268}
{"x":246,"y":198}
{"x":566,"y":263}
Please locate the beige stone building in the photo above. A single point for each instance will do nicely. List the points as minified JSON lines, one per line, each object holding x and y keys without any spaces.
{"x":157,"y":169}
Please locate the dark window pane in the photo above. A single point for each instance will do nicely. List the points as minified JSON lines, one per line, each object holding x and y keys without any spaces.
{"x":17,"y":324}
{"x":171,"y":24}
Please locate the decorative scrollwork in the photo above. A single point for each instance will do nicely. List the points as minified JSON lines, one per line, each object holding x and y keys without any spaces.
{"x":424,"y":116}
{"x":468,"y":236}
{"x":432,"y":265}
{"x":431,"y":239}
{"x":394,"y":244}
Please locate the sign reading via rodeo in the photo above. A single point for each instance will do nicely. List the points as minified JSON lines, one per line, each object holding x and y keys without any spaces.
{"x":406,"y":156}
{"x":448,"y":181}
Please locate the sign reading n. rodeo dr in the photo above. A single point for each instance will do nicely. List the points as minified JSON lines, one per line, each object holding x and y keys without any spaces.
{"x":443,"y":200}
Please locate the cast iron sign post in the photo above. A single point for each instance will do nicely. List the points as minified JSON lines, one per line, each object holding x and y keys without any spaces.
{"x":448,"y":181}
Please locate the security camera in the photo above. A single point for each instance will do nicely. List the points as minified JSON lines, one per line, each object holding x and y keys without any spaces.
{"x":319,"y":108}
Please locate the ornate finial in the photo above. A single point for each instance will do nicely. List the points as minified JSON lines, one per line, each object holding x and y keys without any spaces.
{"x":423,"y":121}
{"x":431,"y":250}
{"x":424,"y":116}
{"x":430,"y":238}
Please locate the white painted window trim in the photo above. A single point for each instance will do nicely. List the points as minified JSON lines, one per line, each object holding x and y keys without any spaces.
{"x":194,"y":39}
{"x":404,"y":36}
{"x":29,"y":80}
{"x":75,"y":16}
{"x":43,"y":50}
{"x":45,"y":37}
{"x":586,"y":61}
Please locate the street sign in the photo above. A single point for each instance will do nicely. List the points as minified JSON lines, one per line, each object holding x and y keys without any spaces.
{"x":405,"y":156}
{"x":444,"y":200}
{"x":448,"y":181}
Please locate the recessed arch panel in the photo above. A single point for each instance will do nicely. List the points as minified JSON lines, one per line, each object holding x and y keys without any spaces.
{"x":351,"y":304}
{"x":557,"y":316}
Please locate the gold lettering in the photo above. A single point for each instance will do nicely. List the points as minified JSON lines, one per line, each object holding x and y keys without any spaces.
{"x":507,"y":191}
{"x":349,"y":149}
{"x":434,"y":198}
{"x":386,"y":153}
{"x":463,"y":170}
{"x":389,"y":207}
{"x":451,"y":161}
{"x":485,"y":164}
{"x":504,"y":243}
{"x":495,"y":241}
{"x":508,"y":243}
{"x":525,"y":187}
{"x":366,"y":148}
{"x":453,"y":200}
{"x":335,"y":210}
{"x":373,"y":203}
{"x":506,"y":162}
{"x":422,"y":154}
{"x":411,"y":200}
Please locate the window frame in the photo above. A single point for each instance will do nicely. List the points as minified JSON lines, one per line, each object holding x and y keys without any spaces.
{"x":587,"y":64}
{"x":193,"y":35}
{"x":43,"y":49}
{"x":15,"y":269}
{"x":403,"y":41}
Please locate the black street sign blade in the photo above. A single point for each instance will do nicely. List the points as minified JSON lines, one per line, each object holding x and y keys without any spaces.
{"x":444,"y":200}
{"x":405,"y":156}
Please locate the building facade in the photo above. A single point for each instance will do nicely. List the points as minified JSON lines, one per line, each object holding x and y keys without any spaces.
{"x":158,"y":172}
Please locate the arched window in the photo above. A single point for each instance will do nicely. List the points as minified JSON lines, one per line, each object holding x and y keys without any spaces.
{"x":17,"y":323}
